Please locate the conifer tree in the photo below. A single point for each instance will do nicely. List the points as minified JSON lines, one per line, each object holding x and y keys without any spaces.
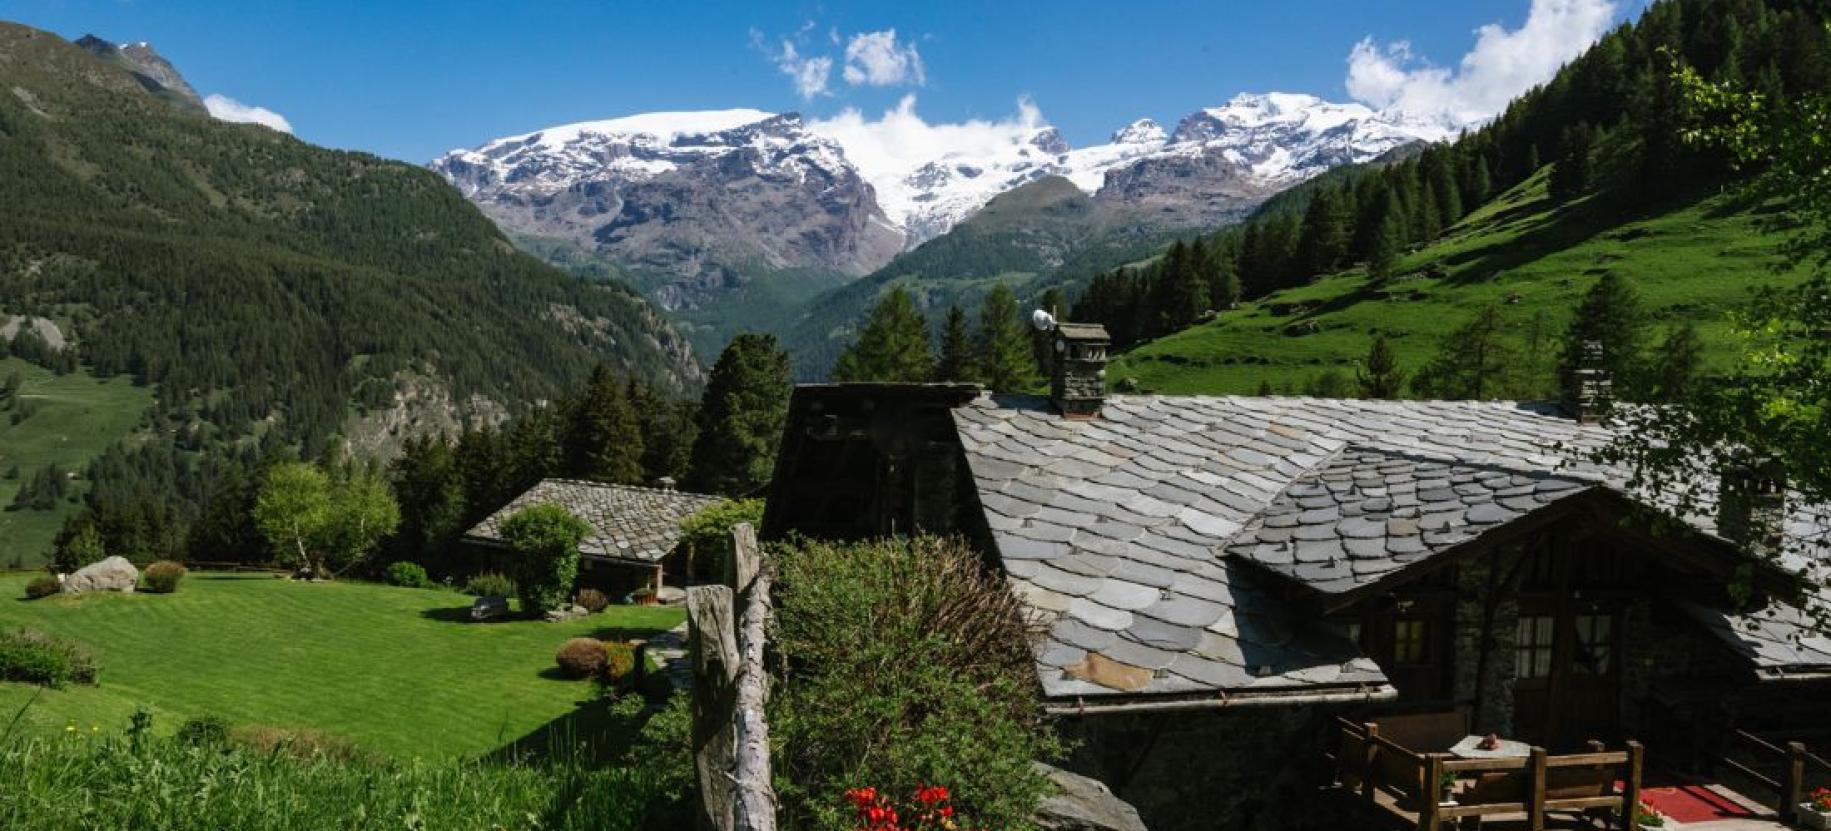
{"x":1223,"y":274}
{"x":1680,"y":362}
{"x":1006,"y":362}
{"x":1382,"y":377}
{"x":1178,"y":295}
{"x":1474,"y":362}
{"x":893,"y":347}
{"x":1570,"y":174}
{"x":1611,"y":314}
{"x":740,"y":417}
{"x":1385,"y":241}
{"x":955,"y":361}
{"x":667,"y":432}
{"x":1326,"y":233}
{"x":604,"y":440}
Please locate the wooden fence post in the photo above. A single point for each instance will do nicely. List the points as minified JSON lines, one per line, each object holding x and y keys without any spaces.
{"x":1535,"y":793}
{"x":756,"y":798}
{"x":1370,"y":757}
{"x":712,"y":638}
{"x":1432,"y":793}
{"x":1630,"y":809}
{"x":1795,"y":782}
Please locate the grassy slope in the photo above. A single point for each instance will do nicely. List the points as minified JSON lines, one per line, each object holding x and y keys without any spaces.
{"x":396,"y":670}
{"x":1695,"y":260}
{"x":76,"y":417}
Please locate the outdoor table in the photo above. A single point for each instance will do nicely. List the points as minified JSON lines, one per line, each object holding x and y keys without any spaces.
{"x":1469,"y":748}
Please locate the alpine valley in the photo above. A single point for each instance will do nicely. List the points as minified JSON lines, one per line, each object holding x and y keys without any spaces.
{"x":746,"y":220}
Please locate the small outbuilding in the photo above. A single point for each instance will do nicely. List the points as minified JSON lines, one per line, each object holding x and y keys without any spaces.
{"x":635,"y":531}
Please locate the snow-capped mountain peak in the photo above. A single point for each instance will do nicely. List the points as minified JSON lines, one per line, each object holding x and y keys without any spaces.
{"x":1142,"y":131}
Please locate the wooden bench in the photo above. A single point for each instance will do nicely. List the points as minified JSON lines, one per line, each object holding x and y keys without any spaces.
{"x":1392,"y":777}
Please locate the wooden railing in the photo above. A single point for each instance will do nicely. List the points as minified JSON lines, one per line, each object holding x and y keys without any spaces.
{"x":1431,"y":786}
{"x":1794,"y":762}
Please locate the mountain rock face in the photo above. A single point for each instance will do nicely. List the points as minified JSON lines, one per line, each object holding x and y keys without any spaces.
{"x":148,"y":67}
{"x":701,"y":197}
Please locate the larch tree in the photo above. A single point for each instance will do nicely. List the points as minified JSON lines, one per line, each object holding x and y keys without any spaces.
{"x":892,"y":347}
{"x":1381,"y":378}
{"x":954,"y":363}
{"x":604,"y":439}
{"x":1612,"y":315}
{"x":1006,"y":360}
{"x":740,"y":417}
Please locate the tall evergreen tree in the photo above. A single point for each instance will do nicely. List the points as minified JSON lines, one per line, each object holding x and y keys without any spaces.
{"x":741,"y":417}
{"x":430,"y":491}
{"x":892,"y":347}
{"x":667,"y":432}
{"x":1178,"y":295}
{"x":955,"y":360}
{"x":1570,"y":174}
{"x":1678,"y":366}
{"x":1327,"y":229}
{"x":1386,"y":239}
{"x":604,"y":440}
{"x":1612,"y":315}
{"x":1006,"y":362}
{"x":1382,"y":377}
{"x":1474,"y":362}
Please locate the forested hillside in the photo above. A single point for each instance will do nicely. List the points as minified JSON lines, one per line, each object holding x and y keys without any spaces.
{"x":1589,"y":175}
{"x":270,"y":290}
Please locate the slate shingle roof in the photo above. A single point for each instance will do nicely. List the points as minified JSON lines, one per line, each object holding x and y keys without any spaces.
{"x":1118,"y":531}
{"x":631,"y":524}
{"x":1367,"y":513}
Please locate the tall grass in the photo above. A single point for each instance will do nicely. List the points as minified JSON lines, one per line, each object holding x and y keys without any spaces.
{"x":83,"y":780}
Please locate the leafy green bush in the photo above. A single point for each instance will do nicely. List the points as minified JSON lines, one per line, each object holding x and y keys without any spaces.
{"x":33,"y":657}
{"x":546,"y":543}
{"x":490,"y":584}
{"x":619,"y":660}
{"x":300,"y":743}
{"x":203,"y":731}
{"x":162,"y":577}
{"x":408,"y":575}
{"x":593,"y":600}
{"x":581,"y":658}
{"x":907,"y":664}
{"x":44,"y":585}
{"x":78,"y":544}
{"x":706,"y":535}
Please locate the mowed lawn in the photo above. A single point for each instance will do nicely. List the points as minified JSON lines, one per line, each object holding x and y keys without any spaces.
{"x":398,"y":671}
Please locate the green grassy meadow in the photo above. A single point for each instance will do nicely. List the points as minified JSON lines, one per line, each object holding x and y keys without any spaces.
{"x":1696,"y":261}
{"x":73,"y":418}
{"x":398,"y":671}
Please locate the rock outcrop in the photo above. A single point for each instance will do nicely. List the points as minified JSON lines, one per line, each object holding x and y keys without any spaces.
{"x":1083,"y":804}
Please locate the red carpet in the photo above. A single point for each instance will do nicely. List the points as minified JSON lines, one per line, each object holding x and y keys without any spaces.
{"x":1688,"y":803}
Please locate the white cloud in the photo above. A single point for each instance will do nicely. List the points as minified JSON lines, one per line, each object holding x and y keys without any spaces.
{"x":808,"y":72}
{"x":1502,"y":65}
{"x":901,"y":140}
{"x":876,"y":59}
{"x":225,"y":108}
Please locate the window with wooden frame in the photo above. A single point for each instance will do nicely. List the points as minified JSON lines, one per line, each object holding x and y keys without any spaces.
{"x":1535,"y":641}
{"x":1595,"y":645}
{"x":1411,"y":641}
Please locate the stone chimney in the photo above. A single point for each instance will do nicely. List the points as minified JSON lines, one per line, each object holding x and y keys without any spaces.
{"x":1751,"y":505}
{"x":1589,"y":390}
{"x":1077,"y":381}
{"x":665,"y":483}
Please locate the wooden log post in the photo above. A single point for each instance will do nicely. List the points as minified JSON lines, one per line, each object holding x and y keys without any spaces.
{"x":1535,"y":790}
{"x":756,"y":798}
{"x":712,"y":638}
{"x":1370,"y":759}
{"x":1795,"y":793}
{"x":1630,"y":796}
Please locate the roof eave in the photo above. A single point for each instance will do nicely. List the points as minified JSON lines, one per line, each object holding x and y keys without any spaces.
{"x":1338,"y":694}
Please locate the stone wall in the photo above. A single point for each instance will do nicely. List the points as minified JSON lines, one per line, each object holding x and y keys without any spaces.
{"x":1664,"y":650}
{"x":1478,"y":583}
{"x":1251,"y":767}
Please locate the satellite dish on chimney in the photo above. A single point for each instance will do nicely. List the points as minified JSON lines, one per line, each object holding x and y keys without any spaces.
{"x":1042,"y":320}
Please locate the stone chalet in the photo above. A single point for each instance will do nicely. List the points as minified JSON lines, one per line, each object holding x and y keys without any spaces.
{"x":1218,"y":578}
{"x":634,"y":531}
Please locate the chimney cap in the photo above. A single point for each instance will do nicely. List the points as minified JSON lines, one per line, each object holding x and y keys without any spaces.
{"x":1084,"y":332}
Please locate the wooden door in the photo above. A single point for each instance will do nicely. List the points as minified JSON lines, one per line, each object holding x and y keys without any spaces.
{"x":1567,"y":679}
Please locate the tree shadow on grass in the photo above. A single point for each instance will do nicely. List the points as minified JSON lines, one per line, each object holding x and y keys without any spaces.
{"x":595,"y":733}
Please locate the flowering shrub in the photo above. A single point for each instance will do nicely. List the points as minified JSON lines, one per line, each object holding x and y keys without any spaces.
{"x":928,"y":811}
{"x":1820,"y":800}
{"x":1647,"y":816}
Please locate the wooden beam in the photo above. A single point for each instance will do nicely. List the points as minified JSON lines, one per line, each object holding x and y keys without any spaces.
{"x":1370,"y":759}
{"x":1430,"y":797}
{"x":1795,"y":792}
{"x":1630,"y":796}
{"x":712,"y":639}
{"x":1535,"y":791}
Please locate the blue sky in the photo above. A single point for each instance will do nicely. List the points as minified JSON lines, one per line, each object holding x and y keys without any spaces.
{"x":411,"y":79}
